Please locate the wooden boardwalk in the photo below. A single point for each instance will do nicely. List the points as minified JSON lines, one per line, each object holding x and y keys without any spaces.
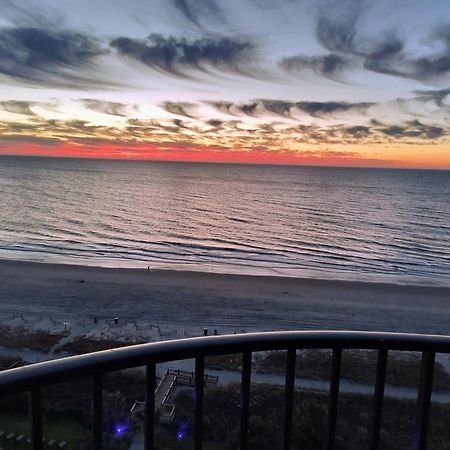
{"x":164,"y":390}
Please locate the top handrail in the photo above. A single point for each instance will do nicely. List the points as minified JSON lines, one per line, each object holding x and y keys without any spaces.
{"x":75,"y":367}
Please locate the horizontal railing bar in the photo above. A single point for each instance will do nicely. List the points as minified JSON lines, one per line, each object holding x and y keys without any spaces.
{"x":75,"y":367}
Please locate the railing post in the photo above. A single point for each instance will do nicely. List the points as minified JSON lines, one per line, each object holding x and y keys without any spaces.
{"x":36,"y":417}
{"x":424,"y":401}
{"x":334,"y":396}
{"x":97,"y":422}
{"x":150,"y":389}
{"x":289,"y":396}
{"x":380,"y":382}
{"x":245,"y":398}
{"x":198,"y":404}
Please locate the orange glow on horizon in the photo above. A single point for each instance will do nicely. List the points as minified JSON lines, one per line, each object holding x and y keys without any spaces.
{"x":431,"y":157}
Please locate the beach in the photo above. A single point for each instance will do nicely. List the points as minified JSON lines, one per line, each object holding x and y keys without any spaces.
{"x":179,"y":303}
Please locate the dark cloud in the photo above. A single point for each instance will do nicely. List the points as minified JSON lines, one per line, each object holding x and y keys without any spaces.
{"x":413,"y":129}
{"x":438,"y":64}
{"x":339,"y":30}
{"x":317,"y":109}
{"x":223,"y":107}
{"x":337,"y":25}
{"x":358,"y":131}
{"x":252,"y":109}
{"x":179,"y":123}
{"x":199,"y":11}
{"x":215,"y":123}
{"x":436,"y":96}
{"x":179,"y":108}
{"x":18,"y":107}
{"x":398,"y":131}
{"x":105,"y":107}
{"x":249,"y":109}
{"x":285,"y":108}
{"x":341,"y":36}
{"x":278,"y":107}
{"x":54,"y":58}
{"x":12,"y":138}
{"x":329,"y":66}
{"x":180,"y":57}
{"x":385,"y":57}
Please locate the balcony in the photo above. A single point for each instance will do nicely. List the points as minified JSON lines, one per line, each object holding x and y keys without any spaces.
{"x":34,"y":378}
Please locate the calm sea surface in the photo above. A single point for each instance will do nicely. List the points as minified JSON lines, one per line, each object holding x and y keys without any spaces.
{"x":382,"y":225}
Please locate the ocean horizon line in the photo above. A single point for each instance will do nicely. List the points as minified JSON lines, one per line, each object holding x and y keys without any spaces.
{"x":227,"y":163}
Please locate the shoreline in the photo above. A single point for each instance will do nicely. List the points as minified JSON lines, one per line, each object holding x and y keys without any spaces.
{"x":186,"y":273}
{"x":186,"y":302}
{"x":230,"y":269}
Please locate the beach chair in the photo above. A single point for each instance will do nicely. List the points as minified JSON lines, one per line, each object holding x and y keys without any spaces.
{"x":51,"y":442}
{"x":62,"y":444}
{"x":19,"y":438}
{"x":9,"y":436}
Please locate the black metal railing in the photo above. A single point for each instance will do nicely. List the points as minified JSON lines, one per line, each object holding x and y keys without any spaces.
{"x":34,"y":377}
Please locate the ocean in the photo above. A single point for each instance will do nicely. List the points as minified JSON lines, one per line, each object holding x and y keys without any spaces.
{"x":322,"y":222}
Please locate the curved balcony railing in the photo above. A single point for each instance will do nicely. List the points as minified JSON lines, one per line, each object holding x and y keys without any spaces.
{"x":34,"y":377}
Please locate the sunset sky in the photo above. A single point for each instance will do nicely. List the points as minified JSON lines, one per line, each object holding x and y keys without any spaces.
{"x":326,"y":82}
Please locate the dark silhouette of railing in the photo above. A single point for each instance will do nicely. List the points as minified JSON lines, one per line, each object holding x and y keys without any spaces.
{"x":32,"y":378}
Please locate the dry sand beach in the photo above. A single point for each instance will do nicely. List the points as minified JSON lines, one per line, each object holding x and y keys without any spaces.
{"x":183,"y":303}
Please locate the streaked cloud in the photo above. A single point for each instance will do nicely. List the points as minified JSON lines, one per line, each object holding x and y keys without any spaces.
{"x":413,"y":129}
{"x":258,"y":108}
{"x":18,"y":107}
{"x":48,"y":57}
{"x":358,"y":131}
{"x":436,"y":96}
{"x":318,"y":109}
{"x":199,"y":12}
{"x":185,"y":58}
{"x":339,"y":30}
{"x":329,"y":66}
{"x":107,"y":107}
{"x":229,"y":134}
{"x":179,"y":108}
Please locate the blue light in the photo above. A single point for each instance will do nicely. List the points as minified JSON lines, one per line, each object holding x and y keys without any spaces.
{"x":183,"y":428}
{"x":120,"y":429}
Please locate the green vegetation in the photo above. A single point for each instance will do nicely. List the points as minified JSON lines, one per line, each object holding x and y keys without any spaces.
{"x":357,"y":365}
{"x":221,"y":420}
{"x":68,"y":416}
{"x":34,"y":340}
{"x":87,"y":345}
{"x":67,"y":411}
{"x":62,"y":430}
{"x":44,"y":341}
{"x":9,"y":362}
